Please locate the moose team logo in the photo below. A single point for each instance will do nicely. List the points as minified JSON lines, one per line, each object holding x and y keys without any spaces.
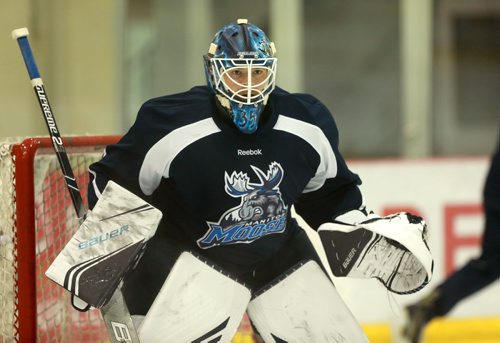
{"x":260,"y":213}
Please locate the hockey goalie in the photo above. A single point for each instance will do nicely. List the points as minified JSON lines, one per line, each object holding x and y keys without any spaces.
{"x":224,"y":164}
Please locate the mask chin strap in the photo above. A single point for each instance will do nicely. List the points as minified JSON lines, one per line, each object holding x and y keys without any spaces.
{"x":224,"y":101}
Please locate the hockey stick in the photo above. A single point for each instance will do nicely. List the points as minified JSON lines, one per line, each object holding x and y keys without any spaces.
{"x":115,"y":313}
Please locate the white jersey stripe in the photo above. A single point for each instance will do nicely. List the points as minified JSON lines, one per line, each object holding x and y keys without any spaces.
{"x":157,"y":162}
{"x":94,"y":183}
{"x":316,"y":138}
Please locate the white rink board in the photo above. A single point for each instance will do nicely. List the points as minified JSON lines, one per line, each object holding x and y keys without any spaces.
{"x":431,"y":187}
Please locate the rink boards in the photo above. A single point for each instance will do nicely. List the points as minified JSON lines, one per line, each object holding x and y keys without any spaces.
{"x":447,"y":193}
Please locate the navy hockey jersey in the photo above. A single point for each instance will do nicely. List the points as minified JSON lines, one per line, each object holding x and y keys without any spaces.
{"x":225,"y":193}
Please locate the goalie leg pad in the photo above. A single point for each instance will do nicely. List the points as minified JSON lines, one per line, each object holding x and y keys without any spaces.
{"x":197,"y":303}
{"x":304,"y":307}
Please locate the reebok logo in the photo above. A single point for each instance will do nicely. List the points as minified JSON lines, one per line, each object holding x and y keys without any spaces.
{"x":249,"y":152}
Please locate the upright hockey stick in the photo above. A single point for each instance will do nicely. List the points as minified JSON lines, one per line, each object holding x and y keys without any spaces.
{"x":115,"y":313}
{"x":22,"y":38}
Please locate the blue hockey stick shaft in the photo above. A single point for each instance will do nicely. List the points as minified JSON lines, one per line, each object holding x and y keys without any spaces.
{"x":115,"y":313}
{"x":21,"y":35}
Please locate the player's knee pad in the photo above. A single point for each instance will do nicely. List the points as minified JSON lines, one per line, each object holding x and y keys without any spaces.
{"x":304,"y":306}
{"x":197,"y":303}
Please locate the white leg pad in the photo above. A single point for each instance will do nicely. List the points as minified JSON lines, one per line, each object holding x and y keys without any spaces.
{"x":304,"y":307}
{"x":197,"y":303}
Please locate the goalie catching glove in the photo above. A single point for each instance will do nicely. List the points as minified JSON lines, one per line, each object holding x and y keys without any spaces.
{"x":392,"y":249}
{"x":106,"y":246}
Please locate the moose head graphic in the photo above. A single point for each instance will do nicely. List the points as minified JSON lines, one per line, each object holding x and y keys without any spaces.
{"x":261,"y":211}
{"x":258,"y":200}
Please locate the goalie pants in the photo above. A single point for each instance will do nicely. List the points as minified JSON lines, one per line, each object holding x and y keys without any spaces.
{"x":142,"y":285}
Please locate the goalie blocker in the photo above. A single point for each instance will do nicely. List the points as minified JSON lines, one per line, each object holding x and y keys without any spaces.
{"x":106,"y":246}
{"x":392,"y":249}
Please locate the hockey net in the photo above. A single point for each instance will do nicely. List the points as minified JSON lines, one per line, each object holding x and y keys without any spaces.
{"x":36,"y":220}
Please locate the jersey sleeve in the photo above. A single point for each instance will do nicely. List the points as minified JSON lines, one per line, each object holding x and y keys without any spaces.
{"x":339,"y":187}
{"x":491,"y":193}
{"x":122,"y":161}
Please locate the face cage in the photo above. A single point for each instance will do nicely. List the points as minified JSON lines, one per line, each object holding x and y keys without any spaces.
{"x":248,"y":94}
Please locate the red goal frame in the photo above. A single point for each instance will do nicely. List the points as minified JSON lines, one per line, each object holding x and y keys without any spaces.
{"x":28,"y":266}
{"x":24,"y":155}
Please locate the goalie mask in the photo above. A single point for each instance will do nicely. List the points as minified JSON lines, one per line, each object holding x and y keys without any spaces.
{"x":240,"y":68}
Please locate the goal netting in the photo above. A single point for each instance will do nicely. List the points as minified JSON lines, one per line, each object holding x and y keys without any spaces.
{"x":37,"y":218}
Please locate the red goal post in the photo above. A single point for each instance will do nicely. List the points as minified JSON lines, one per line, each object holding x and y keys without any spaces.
{"x":36,"y":220}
